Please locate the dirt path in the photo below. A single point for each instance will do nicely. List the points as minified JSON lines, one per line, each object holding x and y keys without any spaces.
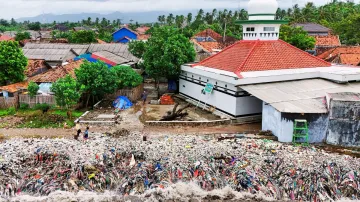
{"x":43,"y":132}
{"x":226,"y":129}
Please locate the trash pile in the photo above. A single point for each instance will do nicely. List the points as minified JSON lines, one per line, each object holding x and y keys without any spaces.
{"x":130,"y":166}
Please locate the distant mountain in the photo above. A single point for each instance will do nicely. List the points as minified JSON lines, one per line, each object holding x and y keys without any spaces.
{"x":141,"y":17}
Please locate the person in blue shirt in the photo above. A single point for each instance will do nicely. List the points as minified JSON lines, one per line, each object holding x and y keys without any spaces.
{"x":86,"y":133}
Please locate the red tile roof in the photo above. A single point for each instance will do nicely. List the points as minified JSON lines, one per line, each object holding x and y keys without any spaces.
{"x":142,"y":29}
{"x":339,"y":50}
{"x":12,"y":88}
{"x":35,"y":67}
{"x":350,"y":59}
{"x":209,"y":46}
{"x":246,"y":56}
{"x":143,"y":37}
{"x":6,"y":38}
{"x":208,"y":32}
{"x":330,"y":40}
{"x":53,"y":75}
{"x":211,"y":33}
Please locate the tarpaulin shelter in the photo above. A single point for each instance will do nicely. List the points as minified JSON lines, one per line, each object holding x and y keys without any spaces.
{"x":122,"y":102}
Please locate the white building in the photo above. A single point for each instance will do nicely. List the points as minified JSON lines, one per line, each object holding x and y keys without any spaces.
{"x":262,"y":75}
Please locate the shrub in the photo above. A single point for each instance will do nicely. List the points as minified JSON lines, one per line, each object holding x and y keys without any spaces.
{"x":11,"y":111}
{"x":33,"y":88}
{"x":42,"y":107}
{"x":24,"y":106}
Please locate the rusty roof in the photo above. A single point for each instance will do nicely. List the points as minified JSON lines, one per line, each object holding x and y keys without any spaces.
{"x":327,"y":41}
{"x":12,"y":88}
{"x":35,"y":67}
{"x":54,"y":74}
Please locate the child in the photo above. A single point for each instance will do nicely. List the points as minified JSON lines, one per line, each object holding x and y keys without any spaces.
{"x":86,"y":133}
{"x":78,"y":130}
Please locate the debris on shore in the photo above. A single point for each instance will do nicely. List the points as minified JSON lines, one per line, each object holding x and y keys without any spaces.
{"x":129,"y":166}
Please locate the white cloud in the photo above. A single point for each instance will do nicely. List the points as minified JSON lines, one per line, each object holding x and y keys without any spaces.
{"x":28,"y":8}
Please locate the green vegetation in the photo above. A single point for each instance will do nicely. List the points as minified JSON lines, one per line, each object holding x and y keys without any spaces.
{"x":67,"y":92}
{"x":22,"y":36}
{"x":126,"y":77}
{"x":82,"y":36}
{"x":33,"y":88}
{"x":7,"y":112}
{"x":296,"y":36}
{"x":165,"y":52}
{"x":12,"y":62}
{"x":96,"y":79}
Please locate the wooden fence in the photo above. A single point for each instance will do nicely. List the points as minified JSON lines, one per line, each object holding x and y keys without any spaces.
{"x":7,"y":102}
{"x":39,"y":99}
{"x":133,"y":94}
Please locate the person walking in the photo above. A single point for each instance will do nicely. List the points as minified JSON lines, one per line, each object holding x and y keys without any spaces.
{"x":86,"y":134}
{"x":78,"y":130}
{"x":144,"y":96}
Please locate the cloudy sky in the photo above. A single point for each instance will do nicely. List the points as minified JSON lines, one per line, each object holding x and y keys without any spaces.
{"x":28,"y":8}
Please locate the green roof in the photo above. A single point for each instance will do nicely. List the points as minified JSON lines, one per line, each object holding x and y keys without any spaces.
{"x":245,"y":22}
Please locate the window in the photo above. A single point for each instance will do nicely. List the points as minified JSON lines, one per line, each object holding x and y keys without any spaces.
{"x":250,"y":29}
{"x":269,"y":29}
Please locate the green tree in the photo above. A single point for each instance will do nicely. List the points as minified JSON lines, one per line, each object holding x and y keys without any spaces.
{"x":96,"y":79}
{"x":296,"y":36}
{"x":349,"y":30}
{"x":36,"y":26}
{"x":126,"y":77}
{"x":33,"y":88}
{"x":166,"y":51}
{"x":22,"y":36}
{"x":12,"y":62}
{"x":67,"y":92}
{"x":105,"y":36}
{"x":82,"y":36}
{"x":137,"y":48}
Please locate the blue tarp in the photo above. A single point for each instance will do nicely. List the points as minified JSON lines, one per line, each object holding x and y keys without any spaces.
{"x":89,"y":58}
{"x":122,"y":102}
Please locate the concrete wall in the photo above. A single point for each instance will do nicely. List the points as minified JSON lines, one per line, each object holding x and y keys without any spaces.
{"x":225,"y":97}
{"x":282,"y":124}
{"x":344,"y":126}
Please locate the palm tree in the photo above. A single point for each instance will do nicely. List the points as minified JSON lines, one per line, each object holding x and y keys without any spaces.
{"x":89,"y":21}
{"x":243,"y":15}
{"x":189,"y":18}
{"x":170,"y":19}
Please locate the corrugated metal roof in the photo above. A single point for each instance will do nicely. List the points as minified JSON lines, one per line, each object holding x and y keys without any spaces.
{"x":118,"y":49}
{"x":112,"y":57}
{"x":47,"y":54}
{"x":302,"y":96}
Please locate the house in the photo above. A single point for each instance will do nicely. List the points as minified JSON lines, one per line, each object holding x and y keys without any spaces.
{"x":6,"y":38}
{"x":324,"y":43}
{"x":142,"y":33}
{"x":53,"y":54}
{"x":142,"y":30}
{"x":36,"y":67}
{"x":325,"y":40}
{"x":266,"y":78}
{"x":10,"y":91}
{"x":81,"y":29}
{"x":45,"y":80}
{"x":111,"y":51}
{"x":61,"y":27}
{"x":124,"y":35}
{"x":208,"y":42}
{"x":314,"y":29}
{"x":346,"y":55}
